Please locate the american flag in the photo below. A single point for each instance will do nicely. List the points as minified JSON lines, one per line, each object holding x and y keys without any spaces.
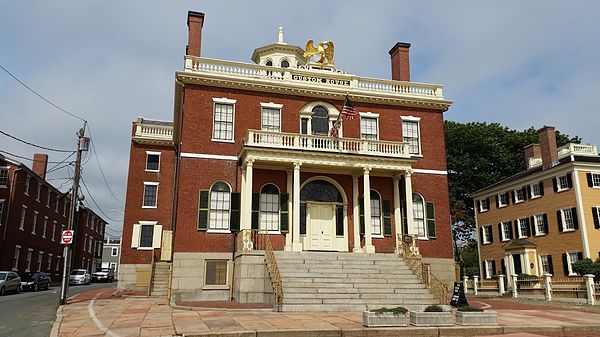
{"x":348,"y":110}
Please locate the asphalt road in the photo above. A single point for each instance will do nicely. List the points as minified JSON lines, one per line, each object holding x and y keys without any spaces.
{"x":31,"y":314}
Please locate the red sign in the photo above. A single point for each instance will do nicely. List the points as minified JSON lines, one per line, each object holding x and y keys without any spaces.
{"x":67,"y":237}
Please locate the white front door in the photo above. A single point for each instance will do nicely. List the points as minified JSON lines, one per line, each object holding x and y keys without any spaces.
{"x":322,"y":235}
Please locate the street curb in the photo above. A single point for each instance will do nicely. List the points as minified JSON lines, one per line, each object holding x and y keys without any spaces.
{"x":57,"y":322}
{"x":190,"y":308}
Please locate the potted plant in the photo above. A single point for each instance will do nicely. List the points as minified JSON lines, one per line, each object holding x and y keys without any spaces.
{"x":468,"y":315}
{"x":383,"y":317}
{"x":433,"y":315}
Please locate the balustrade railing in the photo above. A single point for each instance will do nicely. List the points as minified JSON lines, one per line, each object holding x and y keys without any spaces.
{"x":153,"y":132}
{"x":335,"y":79}
{"x":577,"y":149}
{"x":295,"y":141}
{"x":438,"y":289}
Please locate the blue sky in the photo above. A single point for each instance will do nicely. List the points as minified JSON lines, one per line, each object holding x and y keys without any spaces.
{"x":518,"y":63}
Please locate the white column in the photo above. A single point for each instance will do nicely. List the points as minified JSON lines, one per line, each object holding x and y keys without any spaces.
{"x":525,"y":258}
{"x":296,"y":244}
{"x":475,"y":284}
{"x":397,"y":215}
{"x":409,"y":203}
{"x":589,"y":286}
{"x":356,"y":215}
{"x":500,"y":285}
{"x":288,"y":236}
{"x":369,"y":248}
{"x":248,"y":195}
{"x":548,"y":286}
{"x":466,"y":283}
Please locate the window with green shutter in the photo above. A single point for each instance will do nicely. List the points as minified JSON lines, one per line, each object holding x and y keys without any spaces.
{"x":387,"y":220}
{"x":430,"y":220}
{"x":284,"y":214}
{"x":203,"y":210}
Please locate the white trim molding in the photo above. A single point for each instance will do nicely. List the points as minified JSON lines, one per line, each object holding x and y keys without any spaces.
{"x":271,"y":105}
{"x":410,"y":118}
{"x":425,"y":171}
{"x":224,"y":100}
{"x":207,"y":156}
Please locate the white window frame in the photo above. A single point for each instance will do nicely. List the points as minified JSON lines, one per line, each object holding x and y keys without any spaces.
{"x":570,"y":262}
{"x":48,"y":197}
{"x":216,"y":286}
{"x":488,"y":269}
{"x":22,"y":217}
{"x":272,"y":107}
{"x":417,"y":221}
{"x":543,"y":270}
{"x":564,"y":219}
{"x":34,"y":222}
{"x":522,"y":221}
{"x":56,"y":205}
{"x":16,"y":256}
{"x":560,"y":181}
{"x":27,"y":182}
{"x":595,"y":179}
{"x":536,"y":222}
{"x":481,"y":205}
{"x":211,"y":228}
{"x":485,"y":231}
{"x":533,"y":188}
{"x":417,"y":121}
{"x":377,"y":220}
{"x":137,"y":235}
{"x":114,"y":251}
{"x":369,"y":116}
{"x":4,"y":169}
{"x":28,"y":259}
{"x":150,"y":183}
{"x":263,"y":214}
{"x":520,"y":199}
{"x":49,"y":265}
{"x":58,"y":258}
{"x":500,"y":203}
{"x":54,"y":230}
{"x":152,"y":153}
{"x":38,"y":193}
{"x":40,"y":260}
{"x":504,"y":226}
{"x":225,"y":101}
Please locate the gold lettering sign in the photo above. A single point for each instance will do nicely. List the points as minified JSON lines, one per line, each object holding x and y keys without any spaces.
{"x":322,"y":80}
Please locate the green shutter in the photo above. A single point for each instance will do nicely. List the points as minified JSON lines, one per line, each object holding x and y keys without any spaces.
{"x":361,"y":207}
{"x":234,"y":221}
{"x":284,"y":212}
{"x":255,"y":209}
{"x":387,"y":221}
{"x":404,"y":219}
{"x":431,"y":220}
{"x":203,"y":210}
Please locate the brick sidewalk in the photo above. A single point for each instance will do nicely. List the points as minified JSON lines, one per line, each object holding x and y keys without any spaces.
{"x":97,"y":313}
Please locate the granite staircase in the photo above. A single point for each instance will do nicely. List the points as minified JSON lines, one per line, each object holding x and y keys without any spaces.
{"x":160,"y":279}
{"x":324,"y":281}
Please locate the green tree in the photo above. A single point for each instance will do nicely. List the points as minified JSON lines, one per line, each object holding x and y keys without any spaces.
{"x":478,"y":155}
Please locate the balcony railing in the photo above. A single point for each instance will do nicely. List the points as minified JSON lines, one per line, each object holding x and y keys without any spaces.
{"x":152,"y":132}
{"x":577,"y":150}
{"x":311,"y":77}
{"x":295,"y":141}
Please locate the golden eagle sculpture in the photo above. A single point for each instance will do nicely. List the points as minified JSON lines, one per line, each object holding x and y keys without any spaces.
{"x":324,"y":50}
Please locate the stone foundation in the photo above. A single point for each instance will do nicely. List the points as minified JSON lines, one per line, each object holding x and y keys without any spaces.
{"x":131,"y":277}
{"x":443,"y":269}
{"x":251,"y":281}
{"x":188,"y":282}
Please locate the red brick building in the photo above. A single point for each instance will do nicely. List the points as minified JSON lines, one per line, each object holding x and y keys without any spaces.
{"x":249,"y":148}
{"x":33,"y":214}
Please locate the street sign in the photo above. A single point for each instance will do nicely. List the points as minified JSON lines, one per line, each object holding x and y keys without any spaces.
{"x":67,"y":237}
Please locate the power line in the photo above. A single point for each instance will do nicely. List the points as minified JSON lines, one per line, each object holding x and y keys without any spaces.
{"x":95,"y":203}
{"x":52,"y":169}
{"x":101,"y":171}
{"x":32,"y":160}
{"x":34,"y":145}
{"x":42,"y":97}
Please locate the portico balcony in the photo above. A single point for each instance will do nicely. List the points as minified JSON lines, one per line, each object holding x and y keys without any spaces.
{"x":296,"y":141}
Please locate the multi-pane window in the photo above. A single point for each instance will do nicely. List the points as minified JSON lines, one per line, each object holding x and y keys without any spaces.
{"x":56,"y":204}
{"x":536,"y":190}
{"x":506,"y":230}
{"x":45,"y":227}
{"x":16,"y":257}
{"x":54,"y":231}
{"x":562,"y":183}
{"x":572,"y":258}
{"x":48,"y":197}
{"x":49,"y":266}
{"x":3,"y":176}
{"x":39,"y":261}
{"x":410,"y":135}
{"x":269,"y":208}
{"x":567,"y":219}
{"x":150,"y":194}
{"x":28,"y":259}
{"x":146,"y":235}
{"x":223,"y":121}
{"x":503,"y":200}
{"x":270,"y":119}
{"x":22,"y":219}
{"x":595,"y":179}
{"x":152,"y":161}
{"x":419,"y":214}
{"x":545,"y":263}
{"x":27,"y":182}
{"x":523,"y":226}
{"x":368,"y":128}
{"x":487,"y":234}
{"x":520,"y":195}
{"x":489,"y":268}
{"x":38,"y":193}
{"x":484,"y":205}
{"x":540,"y":224}
{"x":376,"y":214}
{"x":114,"y":251}
{"x":34,"y":222}
{"x":216,"y":272}
{"x":219,"y":206}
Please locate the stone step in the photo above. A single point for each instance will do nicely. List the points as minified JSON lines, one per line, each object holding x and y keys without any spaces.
{"x":302,"y":296}
{"x":315,"y":290}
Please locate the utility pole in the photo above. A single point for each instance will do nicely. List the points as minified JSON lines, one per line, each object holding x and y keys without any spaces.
{"x":82,"y":145}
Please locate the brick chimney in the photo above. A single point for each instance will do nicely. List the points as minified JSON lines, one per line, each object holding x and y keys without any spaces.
{"x":400,"y":62}
{"x":532,"y":151}
{"x":195,"y":21}
{"x":40,"y":164}
{"x":547,"y":138}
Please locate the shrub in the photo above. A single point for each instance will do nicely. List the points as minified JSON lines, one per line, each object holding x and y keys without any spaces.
{"x":433,"y":308}
{"x":396,"y":311}
{"x":527,"y":276}
{"x":469,"y":308}
{"x":587,"y":266}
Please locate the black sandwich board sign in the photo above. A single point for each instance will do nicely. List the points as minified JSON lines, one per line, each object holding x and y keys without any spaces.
{"x":458,"y":295}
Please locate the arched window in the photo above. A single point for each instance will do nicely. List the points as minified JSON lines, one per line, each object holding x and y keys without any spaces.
{"x":375,"y":213}
{"x":320,"y":190}
{"x":419,"y":214}
{"x":269,"y":208}
{"x":269,"y":63}
{"x":285,"y":64}
{"x":320,"y":121}
{"x":220,"y":197}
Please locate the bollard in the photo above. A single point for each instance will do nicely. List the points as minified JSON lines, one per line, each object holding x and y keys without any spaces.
{"x":465,"y":283}
{"x":500,"y":284}
{"x":514,"y":285}
{"x":475,"y":281}
{"x":589,"y":286}
{"x":548,"y":285}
